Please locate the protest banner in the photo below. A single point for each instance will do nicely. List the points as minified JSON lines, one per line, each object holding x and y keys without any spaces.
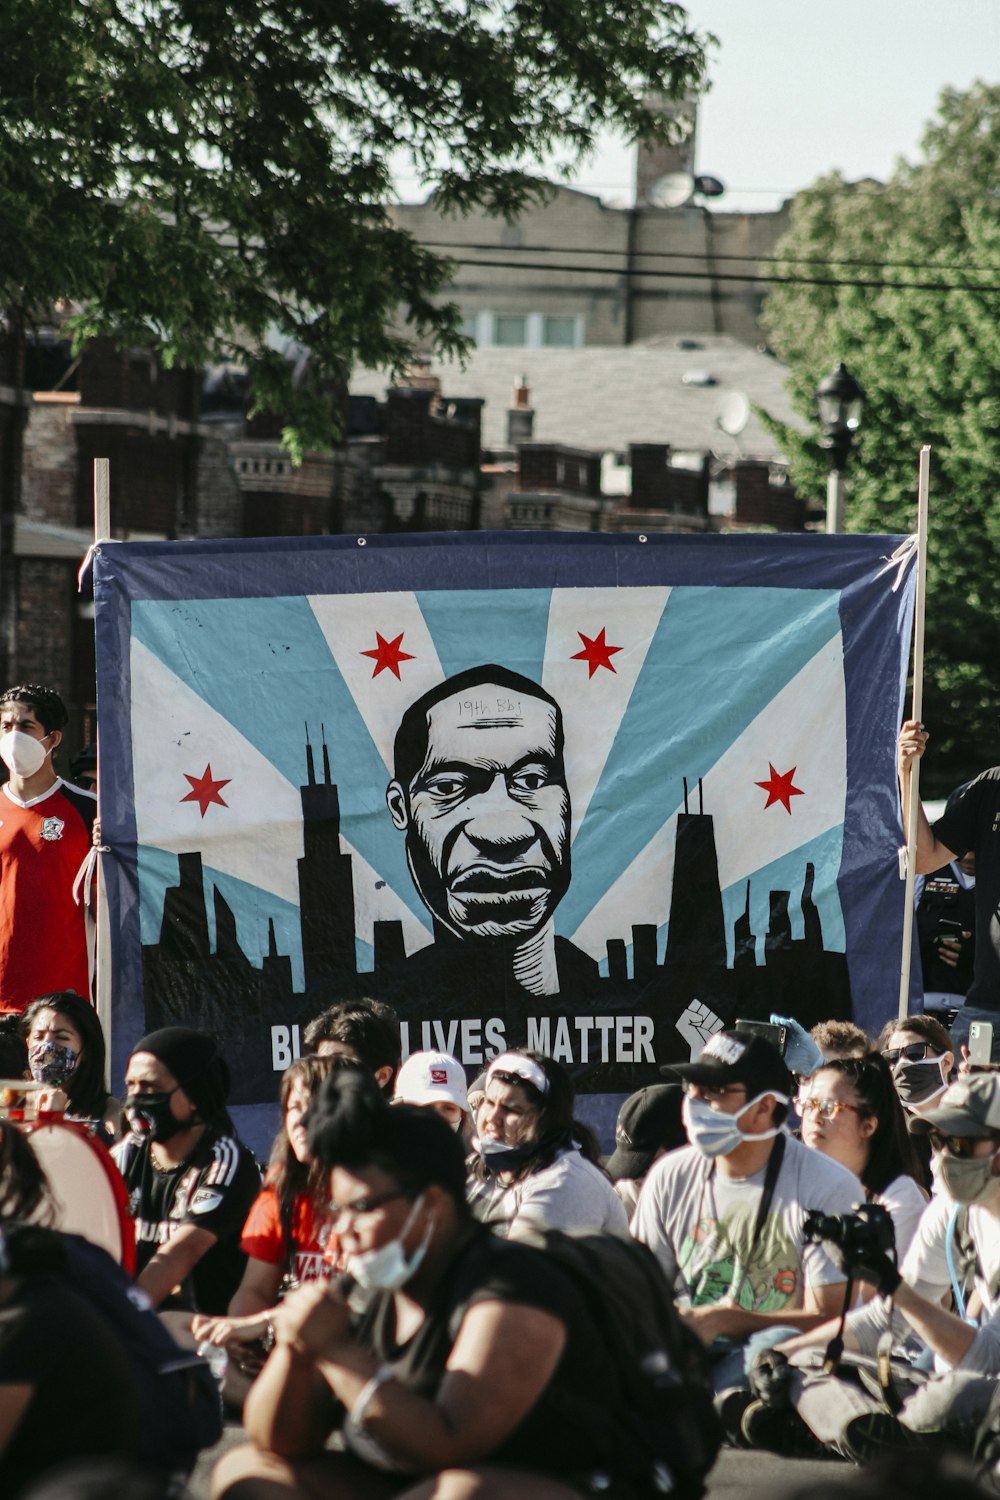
{"x":596,"y":794}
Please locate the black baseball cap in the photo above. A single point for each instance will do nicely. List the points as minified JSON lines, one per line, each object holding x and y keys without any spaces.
{"x":648,"y":1121}
{"x":734,"y":1057}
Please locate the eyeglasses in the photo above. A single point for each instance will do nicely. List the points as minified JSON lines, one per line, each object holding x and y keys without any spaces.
{"x":955,"y":1145}
{"x":913,"y":1052}
{"x":827,"y":1109}
{"x":362,"y":1206}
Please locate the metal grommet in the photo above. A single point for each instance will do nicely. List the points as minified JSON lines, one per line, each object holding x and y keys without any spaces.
{"x":643,"y":538}
{"x":362,"y":541}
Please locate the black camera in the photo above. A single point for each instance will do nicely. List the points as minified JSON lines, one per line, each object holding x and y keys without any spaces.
{"x":859,"y":1235}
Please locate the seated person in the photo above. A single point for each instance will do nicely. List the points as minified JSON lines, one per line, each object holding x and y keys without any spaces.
{"x":191,"y":1182}
{"x":459,"y":1363}
{"x":437,"y":1081}
{"x":649,"y":1125}
{"x":534,"y":1166}
{"x":850,"y":1112}
{"x":842,"y":1412}
{"x":726,"y":1215}
{"x":285,"y":1235}
{"x":66,"y":1051}
{"x":86,"y":1367}
{"x":366,"y":1031}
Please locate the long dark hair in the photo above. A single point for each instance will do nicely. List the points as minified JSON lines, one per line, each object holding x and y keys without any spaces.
{"x":289,"y":1177}
{"x":890,"y":1149}
{"x":86,"y":1088}
{"x":556,"y":1127}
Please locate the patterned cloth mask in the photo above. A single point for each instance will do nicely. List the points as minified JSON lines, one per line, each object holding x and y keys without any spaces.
{"x":52,"y":1063}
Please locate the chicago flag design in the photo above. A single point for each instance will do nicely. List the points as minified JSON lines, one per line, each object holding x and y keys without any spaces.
{"x":599,"y":795}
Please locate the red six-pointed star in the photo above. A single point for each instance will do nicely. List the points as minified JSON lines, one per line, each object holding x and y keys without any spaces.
{"x":596,"y":653}
{"x":205,"y":789}
{"x":387,"y":655}
{"x":779,"y":788}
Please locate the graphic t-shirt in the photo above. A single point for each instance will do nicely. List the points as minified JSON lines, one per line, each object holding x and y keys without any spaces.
{"x":43,"y":934}
{"x":264,"y":1237}
{"x":699,"y":1224}
{"x":213,"y":1189}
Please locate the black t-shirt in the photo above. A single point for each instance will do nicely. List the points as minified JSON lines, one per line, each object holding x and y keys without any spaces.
{"x":946,"y":909}
{"x":83,"y":1403}
{"x":971,"y":820}
{"x":572,"y":1427}
{"x":213,"y":1189}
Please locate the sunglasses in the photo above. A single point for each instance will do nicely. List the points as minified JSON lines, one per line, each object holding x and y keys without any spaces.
{"x":914,"y":1052}
{"x":956,"y":1145}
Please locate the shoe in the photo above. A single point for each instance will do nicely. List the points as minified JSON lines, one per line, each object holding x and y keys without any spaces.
{"x":779,"y":1429}
{"x":875,"y":1434}
{"x":729,"y":1408}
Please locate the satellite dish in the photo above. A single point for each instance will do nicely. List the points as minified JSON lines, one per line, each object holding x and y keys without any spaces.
{"x":734,"y":414}
{"x":709,"y":187}
{"x":672,"y":190}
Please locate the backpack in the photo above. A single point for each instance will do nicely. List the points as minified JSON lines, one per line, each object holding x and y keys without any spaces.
{"x":668,"y":1431}
{"x":180,"y":1411}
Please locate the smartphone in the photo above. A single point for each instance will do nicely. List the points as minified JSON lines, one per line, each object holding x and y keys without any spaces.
{"x":980,"y":1043}
{"x":776,"y":1035}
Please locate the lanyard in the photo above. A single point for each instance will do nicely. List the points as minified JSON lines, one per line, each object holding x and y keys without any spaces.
{"x":774,"y":1162}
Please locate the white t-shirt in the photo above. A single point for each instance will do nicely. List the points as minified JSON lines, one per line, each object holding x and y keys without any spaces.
{"x":925,"y":1268}
{"x":699,"y":1223}
{"x":905,"y":1202}
{"x":570,"y":1193}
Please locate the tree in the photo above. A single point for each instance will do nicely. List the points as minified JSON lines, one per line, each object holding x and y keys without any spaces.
{"x":214,"y":176}
{"x":918,"y":324}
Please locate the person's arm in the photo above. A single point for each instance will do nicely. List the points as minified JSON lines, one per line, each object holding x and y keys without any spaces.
{"x":256,"y":1295}
{"x":910,"y":746}
{"x":503,"y":1358}
{"x":942,"y":1331}
{"x":174,"y":1261}
{"x":723,"y":1321}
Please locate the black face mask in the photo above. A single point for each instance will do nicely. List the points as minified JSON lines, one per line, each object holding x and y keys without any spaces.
{"x":497,"y":1157}
{"x":149,"y":1116}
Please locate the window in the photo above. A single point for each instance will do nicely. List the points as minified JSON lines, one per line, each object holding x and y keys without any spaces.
{"x":510,"y":330}
{"x":559,"y":332}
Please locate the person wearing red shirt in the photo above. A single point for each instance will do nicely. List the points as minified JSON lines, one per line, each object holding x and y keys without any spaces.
{"x":46,"y":831}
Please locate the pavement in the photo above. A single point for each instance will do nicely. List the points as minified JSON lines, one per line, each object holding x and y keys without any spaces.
{"x":737,"y":1475}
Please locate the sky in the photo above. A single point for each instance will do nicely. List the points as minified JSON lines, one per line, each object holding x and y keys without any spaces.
{"x":799,"y":89}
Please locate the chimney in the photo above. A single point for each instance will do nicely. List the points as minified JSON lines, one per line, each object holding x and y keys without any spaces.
{"x":657,"y":160}
{"x":520,"y":414}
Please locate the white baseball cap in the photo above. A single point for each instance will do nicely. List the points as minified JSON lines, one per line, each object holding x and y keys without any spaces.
{"x":431,"y":1078}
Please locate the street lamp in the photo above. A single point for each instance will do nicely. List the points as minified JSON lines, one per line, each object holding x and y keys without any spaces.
{"x":839,"y":399}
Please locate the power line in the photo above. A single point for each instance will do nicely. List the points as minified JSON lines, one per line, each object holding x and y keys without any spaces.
{"x":716,"y":255}
{"x":875,"y":284}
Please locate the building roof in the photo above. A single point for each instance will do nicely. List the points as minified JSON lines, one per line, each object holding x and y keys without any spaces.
{"x":606,"y":397}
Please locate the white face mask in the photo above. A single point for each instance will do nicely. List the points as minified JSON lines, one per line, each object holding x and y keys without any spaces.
{"x":386,"y":1269}
{"x":21,"y":753}
{"x":716,"y":1134}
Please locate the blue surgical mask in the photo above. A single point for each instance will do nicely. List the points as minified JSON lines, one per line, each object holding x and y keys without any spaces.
{"x":716,"y":1134}
{"x":387,"y":1268}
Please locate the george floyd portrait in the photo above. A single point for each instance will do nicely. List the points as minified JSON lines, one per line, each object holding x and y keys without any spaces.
{"x":479,"y":791}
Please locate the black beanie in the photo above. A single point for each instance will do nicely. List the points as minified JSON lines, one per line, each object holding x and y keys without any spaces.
{"x":195,"y":1062}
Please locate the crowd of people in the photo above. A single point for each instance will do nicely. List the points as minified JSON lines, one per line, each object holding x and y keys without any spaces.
{"x":807,"y":1224}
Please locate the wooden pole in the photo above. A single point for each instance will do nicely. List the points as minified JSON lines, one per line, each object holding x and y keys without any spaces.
{"x":913,"y":800}
{"x":102,"y":954}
